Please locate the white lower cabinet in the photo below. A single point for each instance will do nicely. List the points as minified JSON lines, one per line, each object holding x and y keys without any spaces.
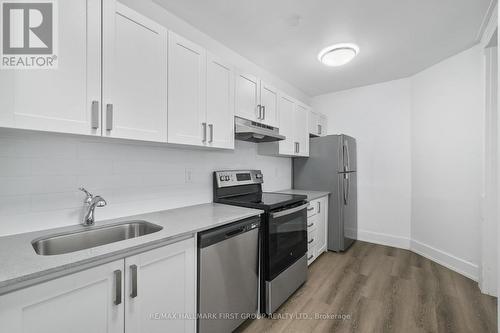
{"x":158,"y":294}
{"x":160,"y":290}
{"x":78,"y":303}
{"x":317,"y":228}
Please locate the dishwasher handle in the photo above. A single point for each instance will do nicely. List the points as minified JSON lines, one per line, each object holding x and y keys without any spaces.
{"x":238,"y":231}
{"x":219,"y":234}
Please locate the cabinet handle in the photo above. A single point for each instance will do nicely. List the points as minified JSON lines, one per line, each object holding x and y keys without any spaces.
{"x":133,"y":271}
{"x":211,"y":127}
{"x":310,"y":225}
{"x":319,"y":207}
{"x":95,"y":115}
{"x":259,"y":111}
{"x":109,"y":117}
{"x":263,"y":112}
{"x":312,"y":240}
{"x":310,"y":257}
{"x":319,"y":129}
{"x":309,"y":209}
{"x":118,"y":287}
{"x":204,"y":125}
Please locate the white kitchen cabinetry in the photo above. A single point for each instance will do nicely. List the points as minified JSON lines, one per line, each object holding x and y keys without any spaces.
{"x":317,"y":124}
{"x":301,"y":134}
{"x":256,"y":100}
{"x":161,"y":281}
{"x":293,"y":124}
{"x":269,"y":104}
{"x":323,"y":125}
{"x":66,"y":99}
{"x":88,"y":301}
{"x":135,"y":75}
{"x":247,"y":97}
{"x":220,"y":103}
{"x":317,"y":228}
{"x":132,"y":295}
{"x":186,"y":92}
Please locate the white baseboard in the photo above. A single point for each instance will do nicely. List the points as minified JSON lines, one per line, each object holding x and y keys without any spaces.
{"x":384,"y":239}
{"x":456,"y":264}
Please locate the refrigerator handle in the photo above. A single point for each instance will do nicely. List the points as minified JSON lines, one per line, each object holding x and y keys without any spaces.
{"x":348,"y":188}
{"x":348,"y":158}
{"x":344,"y":189}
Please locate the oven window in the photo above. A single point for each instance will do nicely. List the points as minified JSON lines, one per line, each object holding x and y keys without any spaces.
{"x":287,"y":241}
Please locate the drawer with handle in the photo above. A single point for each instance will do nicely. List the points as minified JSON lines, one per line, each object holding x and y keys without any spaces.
{"x":312,"y":222}
{"x":312,"y":209}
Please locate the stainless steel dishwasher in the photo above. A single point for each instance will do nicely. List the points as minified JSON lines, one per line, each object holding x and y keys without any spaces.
{"x":228,"y":276}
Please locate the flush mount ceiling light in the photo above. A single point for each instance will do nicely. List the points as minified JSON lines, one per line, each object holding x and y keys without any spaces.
{"x":338,"y":54}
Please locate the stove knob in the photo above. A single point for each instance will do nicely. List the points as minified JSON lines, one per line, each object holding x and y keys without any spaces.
{"x":227,"y":178}
{"x":221,"y":178}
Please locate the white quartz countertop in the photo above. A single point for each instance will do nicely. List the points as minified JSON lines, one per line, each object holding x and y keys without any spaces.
{"x":20,"y":266}
{"x":311,"y":195}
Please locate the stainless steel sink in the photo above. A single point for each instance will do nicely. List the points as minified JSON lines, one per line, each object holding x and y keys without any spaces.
{"x":92,"y":237}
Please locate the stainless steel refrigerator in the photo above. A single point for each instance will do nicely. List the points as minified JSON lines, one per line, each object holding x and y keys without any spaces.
{"x":331,"y":166}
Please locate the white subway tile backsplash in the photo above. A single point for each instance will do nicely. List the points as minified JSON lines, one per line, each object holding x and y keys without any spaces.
{"x":40,"y":174}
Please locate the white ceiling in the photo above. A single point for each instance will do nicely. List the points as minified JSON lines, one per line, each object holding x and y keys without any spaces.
{"x":397,"y":38}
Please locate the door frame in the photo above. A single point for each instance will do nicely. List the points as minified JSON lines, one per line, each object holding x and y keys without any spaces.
{"x":489,"y":281}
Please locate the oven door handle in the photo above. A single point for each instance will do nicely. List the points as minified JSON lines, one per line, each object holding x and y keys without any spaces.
{"x":289,"y":211}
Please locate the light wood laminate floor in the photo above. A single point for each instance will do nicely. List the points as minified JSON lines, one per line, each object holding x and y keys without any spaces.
{"x":382,"y":289}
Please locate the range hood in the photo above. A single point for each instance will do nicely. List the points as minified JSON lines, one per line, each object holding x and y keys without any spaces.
{"x":247,"y":130}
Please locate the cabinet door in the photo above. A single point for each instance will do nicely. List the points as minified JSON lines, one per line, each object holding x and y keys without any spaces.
{"x":269,"y":101}
{"x":301,"y":129}
{"x":247,"y":97}
{"x":166,"y":287}
{"x":322,"y":220}
{"x":186,"y":92}
{"x":78,"y":303}
{"x":135,"y":75}
{"x":314,"y":125}
{"x":323,"y":125}
{"x":220,"y":103}
{"x":286,"y":115}
{"x":60,"y":100}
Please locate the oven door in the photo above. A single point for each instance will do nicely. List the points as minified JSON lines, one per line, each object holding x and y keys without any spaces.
{"x":287,"y":241}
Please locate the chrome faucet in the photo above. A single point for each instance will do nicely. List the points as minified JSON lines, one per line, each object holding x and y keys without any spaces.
{"x":91,"y":202}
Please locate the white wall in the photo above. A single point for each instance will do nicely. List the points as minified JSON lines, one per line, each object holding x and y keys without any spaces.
{"x":40,"y":174}
{"x":420,"y":158}
{"x":378,"y":116}
{"x":447,"y":140}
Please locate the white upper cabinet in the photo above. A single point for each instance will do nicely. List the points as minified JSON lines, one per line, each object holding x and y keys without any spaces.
{"x":89,"y":301}
{"x":323,"y":125}
{"x":301,"y":133}
{"x":269,"y":105}
{"x":317,"y":124}
{"x":293,"y":124}
{"x":314,"y":123}
{"x":135,"y":75}
{"x":66,"y":99}
{"x":186,"y":92}
{"x":256,"y":100}
{"x":220,"y":103}
{"x":287,"y":127}
{"x":248,"y":97}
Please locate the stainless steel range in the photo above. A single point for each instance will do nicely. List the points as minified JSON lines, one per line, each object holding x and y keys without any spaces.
{"x":284,"y":231}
